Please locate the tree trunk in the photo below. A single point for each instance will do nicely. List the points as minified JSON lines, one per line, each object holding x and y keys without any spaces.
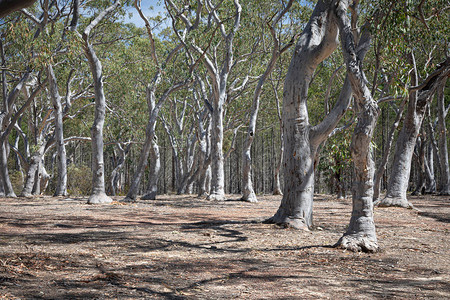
{"x":317,"y":42}
{"x":155,"y":166}
{"x":361,"y":233}
{"x":217,"y":161}
{"x":444,"y":184}
{"x":429,"y":170}
{"x":98,"y":194}
{"x":61,"y":187}
{"x":420,"y":162}
{"x":387,"y":150}
{"x":33,"y":170}
{"x":4,"y":173}
{"x":419,"y":98}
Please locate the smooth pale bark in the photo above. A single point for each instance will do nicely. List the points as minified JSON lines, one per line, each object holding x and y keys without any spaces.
{"x":5,"y":123}
{"x":153,"y":105}
{"x":149,"y":136}
{"x":387,"y":150}
{"x":276,"y":175}
{"x":419,"y":99}
{"x":153,"y":175}
{"x":61,"y":186}
{"x":444,"y":183}
{"x":301,"y":141}
{"x":361,"y":235}
{"x":204,"y":155}
{"x":33,"y":170}
{"x":153,"y":111}
{"x":219,"y":74}
{"x":248,"y":193}
{"x":98,"y":194}
{"x":115,"y":174}
{"x":217,"y":162}
{"x":7,"y":185}
{"x":429,"y":171}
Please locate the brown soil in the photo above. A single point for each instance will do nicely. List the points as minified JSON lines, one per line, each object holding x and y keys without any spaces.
{"x":181,"y":247}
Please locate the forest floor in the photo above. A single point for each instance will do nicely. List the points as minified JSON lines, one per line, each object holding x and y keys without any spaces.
{"x":182,"y":247}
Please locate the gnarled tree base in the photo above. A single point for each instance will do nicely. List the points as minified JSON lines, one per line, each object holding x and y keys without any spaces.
{"x":288,"y":222}
{"x":393,"y":201}
{"x":250,"y":198}
{"x":358,"y":242}
{"x":99,"y":199}
{"x":216,"y":197}
{"x":26,"y":195}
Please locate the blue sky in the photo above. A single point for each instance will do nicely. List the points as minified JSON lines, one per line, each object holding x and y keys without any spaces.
{"x":145,"y":6}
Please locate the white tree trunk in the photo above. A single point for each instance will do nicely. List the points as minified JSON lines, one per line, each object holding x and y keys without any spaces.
{"x":419,"y":99}
{"x":217,"y":162}
{"x":98,"y":194}
{"x":361,"y":233}
{"x":317,"y":42}
{"x":155,"y":166}
{"x":61,"y":187}
{"x":4,"y":173}
{"x":387,"y":150}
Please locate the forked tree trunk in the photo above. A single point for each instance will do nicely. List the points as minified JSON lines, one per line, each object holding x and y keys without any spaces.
{"x":61,"y":187}
{"x":301,"y":141}
{"x":98,"y":194}
{"x":419,"y":99}
{"x":361,"y":233}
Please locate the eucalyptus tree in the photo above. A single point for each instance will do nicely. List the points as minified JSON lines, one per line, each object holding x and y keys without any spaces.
{"x":98,"y":194}
{"x":301,"y":140}
{"x":218,"y":59}
{"x":360,"y":234}
{"x":155,"y":103}
{"x":247,"y":185}
{"x":61,"y":187}
{"x":414,"y":29}
{"x":420,"y":96}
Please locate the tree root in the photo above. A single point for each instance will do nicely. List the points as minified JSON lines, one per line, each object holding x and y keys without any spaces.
{"x":358,"y":243}
{"x":393,"y":202}
{"x":250,"y":198}
{"x":101,"y":198}
{"x":288,"y":222}
{"x":216,"y":197}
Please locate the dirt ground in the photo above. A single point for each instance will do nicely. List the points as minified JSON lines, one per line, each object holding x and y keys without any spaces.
{"x":181,"y":247}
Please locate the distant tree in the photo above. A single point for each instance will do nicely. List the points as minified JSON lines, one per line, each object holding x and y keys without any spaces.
{"x":98,"y":194}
